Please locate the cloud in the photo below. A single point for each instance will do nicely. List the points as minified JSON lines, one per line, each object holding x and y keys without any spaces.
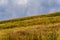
{"x":54,"y":10}
{"x":21,"y":8}
{"x":3,"y":2}
{"x":21,"y":2}
{"x":57,"y":1}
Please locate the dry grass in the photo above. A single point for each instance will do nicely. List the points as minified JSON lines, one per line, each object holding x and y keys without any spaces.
{"x":36,"y":32}
{"x":44,"y":27}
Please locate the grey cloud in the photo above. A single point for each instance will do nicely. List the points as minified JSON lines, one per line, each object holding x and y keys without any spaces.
{"x":11,"y":9}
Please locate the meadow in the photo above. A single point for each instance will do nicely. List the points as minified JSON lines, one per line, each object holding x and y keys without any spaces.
{"x":40,"y":27}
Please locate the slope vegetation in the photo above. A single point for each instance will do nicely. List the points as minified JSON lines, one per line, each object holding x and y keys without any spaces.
{"x":40,"y":27}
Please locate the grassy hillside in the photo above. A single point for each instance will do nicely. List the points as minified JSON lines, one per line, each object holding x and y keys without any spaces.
{"x":40,"y":27}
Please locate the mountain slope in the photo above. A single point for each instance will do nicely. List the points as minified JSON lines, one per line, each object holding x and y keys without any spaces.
{"x":28,"y":21}
{"x":40,"y":27}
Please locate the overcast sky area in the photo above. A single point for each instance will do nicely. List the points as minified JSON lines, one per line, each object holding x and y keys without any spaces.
{"x":20,"y":8}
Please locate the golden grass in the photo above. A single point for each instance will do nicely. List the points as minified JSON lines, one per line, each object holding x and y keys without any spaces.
{"x":35,"y":32}
{"x":42,"y":27}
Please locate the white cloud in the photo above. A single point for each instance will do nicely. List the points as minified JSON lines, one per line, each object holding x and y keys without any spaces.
{"x":57,"y":1}
{"x":54,"y":10}
{"x":23,"y":8}
{"x":3,"y":2}
{"x":19,"y":2}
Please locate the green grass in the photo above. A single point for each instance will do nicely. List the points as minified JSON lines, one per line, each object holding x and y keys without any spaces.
{"x":25,"y":29}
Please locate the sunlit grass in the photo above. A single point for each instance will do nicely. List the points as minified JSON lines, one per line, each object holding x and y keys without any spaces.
{"x":41,"y":27}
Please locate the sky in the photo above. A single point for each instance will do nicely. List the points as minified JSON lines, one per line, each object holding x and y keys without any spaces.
{"x":21,"y":8}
